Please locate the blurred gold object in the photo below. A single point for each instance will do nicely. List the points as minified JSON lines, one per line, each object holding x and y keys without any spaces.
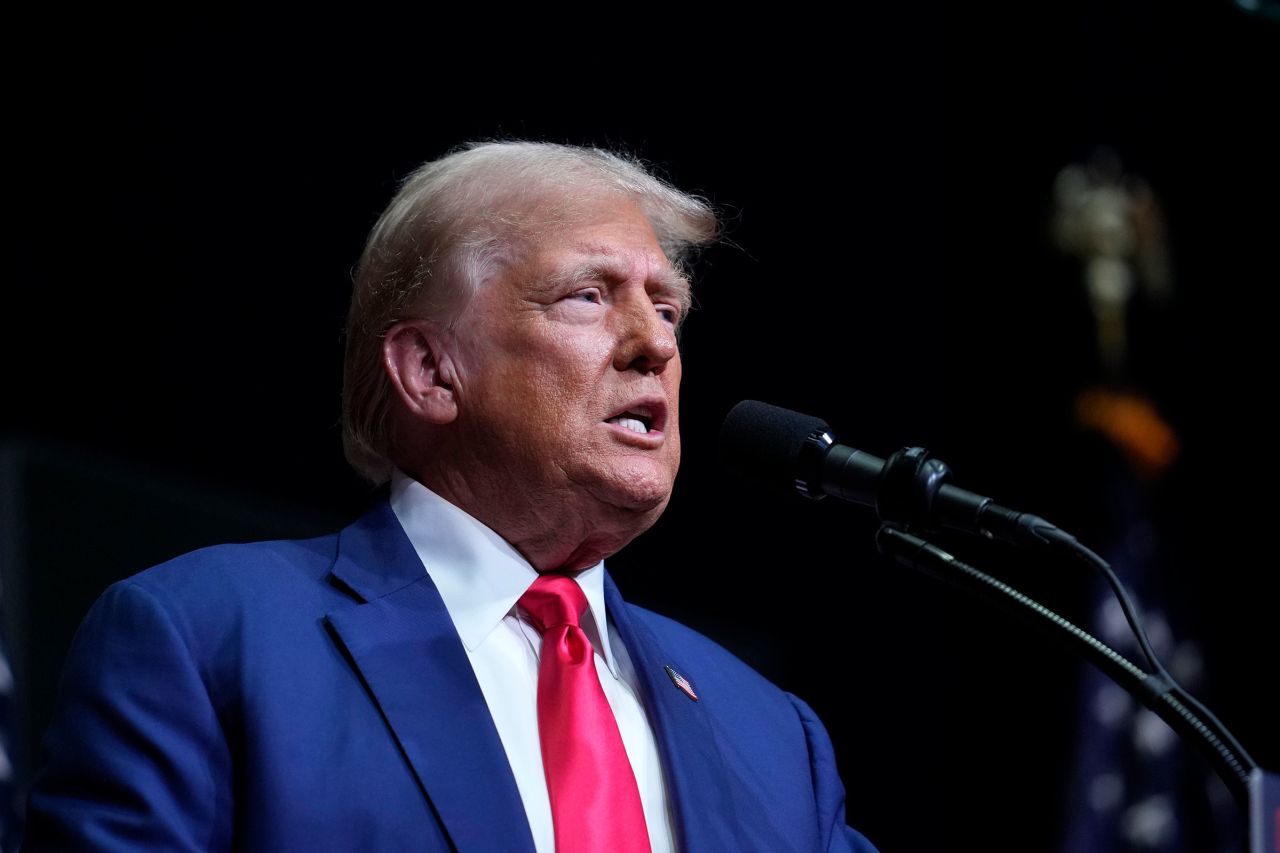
{"x":1112,"y":222}
{"x":1132,"y":423}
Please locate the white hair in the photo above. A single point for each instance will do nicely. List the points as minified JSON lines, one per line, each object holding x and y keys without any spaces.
{"x":453,"y":224}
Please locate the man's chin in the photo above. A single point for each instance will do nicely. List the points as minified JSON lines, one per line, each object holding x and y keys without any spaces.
{"x":639,"y":500}
{"x":629,"y":494}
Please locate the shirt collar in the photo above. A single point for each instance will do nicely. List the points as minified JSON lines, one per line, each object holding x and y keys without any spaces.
{"x":479,"y":575}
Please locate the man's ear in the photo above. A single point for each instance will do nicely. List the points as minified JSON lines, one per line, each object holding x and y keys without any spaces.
{"x":418,"y":365}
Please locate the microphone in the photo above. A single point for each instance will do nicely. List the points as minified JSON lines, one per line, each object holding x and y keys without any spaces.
{"x":782,"y":448}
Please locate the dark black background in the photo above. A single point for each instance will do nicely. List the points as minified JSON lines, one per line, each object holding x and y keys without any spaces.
{"x":192,"y":194}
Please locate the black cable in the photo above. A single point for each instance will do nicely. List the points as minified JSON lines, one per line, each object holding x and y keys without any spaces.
{"x":1155,"y":690}
{"x":1131,"y":616}
{"x":1122,"y":595}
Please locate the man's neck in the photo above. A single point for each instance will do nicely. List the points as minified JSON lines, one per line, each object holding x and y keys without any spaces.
{"x":548,"y":531}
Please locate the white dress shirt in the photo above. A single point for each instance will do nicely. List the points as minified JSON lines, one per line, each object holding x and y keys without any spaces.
{"x":481,"y":577}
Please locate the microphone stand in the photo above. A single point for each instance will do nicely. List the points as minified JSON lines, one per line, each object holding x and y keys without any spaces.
{"x":909,"y":490}
{"x":1165,"y":699}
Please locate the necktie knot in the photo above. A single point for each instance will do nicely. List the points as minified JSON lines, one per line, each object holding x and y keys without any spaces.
{"x":554,"y":600}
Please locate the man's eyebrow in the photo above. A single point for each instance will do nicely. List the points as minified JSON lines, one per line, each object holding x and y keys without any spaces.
{"x":603,"y":266}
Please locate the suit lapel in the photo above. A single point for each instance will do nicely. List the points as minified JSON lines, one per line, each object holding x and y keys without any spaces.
{"x":698,"y":784}
{"x":403,"y":643}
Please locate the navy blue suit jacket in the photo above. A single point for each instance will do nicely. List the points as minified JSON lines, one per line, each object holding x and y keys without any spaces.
{"x":314,"y":695}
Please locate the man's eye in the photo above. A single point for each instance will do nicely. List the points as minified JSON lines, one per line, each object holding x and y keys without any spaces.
{"x":588,"y":295}
{"x":668,"y":314}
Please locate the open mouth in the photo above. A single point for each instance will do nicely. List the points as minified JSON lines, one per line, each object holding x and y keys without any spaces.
{"x":633,"y":421}
{"x":641,"y":418}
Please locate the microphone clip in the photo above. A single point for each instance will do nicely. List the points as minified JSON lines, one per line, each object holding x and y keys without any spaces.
{"x":909,"y":485}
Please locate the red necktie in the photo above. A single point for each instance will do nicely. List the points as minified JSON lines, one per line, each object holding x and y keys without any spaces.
{"x":595,"y":803}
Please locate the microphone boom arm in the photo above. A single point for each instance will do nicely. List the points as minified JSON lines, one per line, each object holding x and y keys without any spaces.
{"x":1166,"y":699}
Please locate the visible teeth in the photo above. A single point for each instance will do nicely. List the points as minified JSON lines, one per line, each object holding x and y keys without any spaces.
{"x":632,"y":424}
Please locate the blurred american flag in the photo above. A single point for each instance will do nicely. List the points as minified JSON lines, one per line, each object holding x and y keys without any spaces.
{"x":1135,"y":787}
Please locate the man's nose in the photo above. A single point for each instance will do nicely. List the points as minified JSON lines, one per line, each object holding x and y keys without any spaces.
{"x":646,"y":341}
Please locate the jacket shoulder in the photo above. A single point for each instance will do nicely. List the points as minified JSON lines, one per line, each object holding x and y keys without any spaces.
{"x":253,"y":567}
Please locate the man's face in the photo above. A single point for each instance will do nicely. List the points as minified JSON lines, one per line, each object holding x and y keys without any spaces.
{"x":568,"y":371}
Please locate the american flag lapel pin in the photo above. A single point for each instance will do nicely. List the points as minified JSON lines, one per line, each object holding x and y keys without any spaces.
{"x":683,"y":683}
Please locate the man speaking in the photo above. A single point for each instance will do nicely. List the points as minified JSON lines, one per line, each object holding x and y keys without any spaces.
{"x":456,"y":670}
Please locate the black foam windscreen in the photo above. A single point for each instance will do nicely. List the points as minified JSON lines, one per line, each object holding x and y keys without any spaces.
{"x":762,"y":442}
